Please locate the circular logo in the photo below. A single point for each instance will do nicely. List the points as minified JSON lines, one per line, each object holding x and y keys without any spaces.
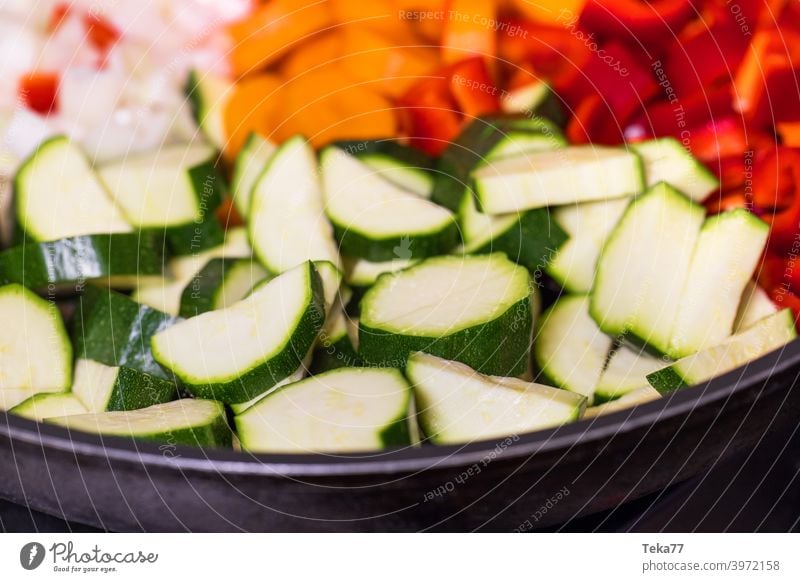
{"x":31,"y":555}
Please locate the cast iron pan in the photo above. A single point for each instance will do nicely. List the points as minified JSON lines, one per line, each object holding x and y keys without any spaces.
{"x":520,"y":483}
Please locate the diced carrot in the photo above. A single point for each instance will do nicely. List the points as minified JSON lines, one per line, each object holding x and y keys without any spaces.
{"x":251,"y":107}
{"x":469,"y":29}
{"x":379,"y":15}
{"x":273,"y":30}
{"x":473,"y":88}
{"x":363,"y":114}
{"x":323,"y":48}
{"x":790,"y":133}
{"x":549,"y":11}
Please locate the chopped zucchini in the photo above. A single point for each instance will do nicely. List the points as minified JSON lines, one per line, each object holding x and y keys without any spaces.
{"x":557,"y":177}
{"x":407,"y":167}
{"x":533,"y":100}
{"x":771,"y":333}
{"x":102,"y":388}
{"x":666,"y":160}
{"x":59,"y":196}
{"x":250,"y":163}
{"x":221,"y":282}
{"x":207,"y":94}
{"x":644,"y":266}
{"x":35,"y":351}
{"x":181,"y":422}
{"x":588,"y":226}
{"x":628,"y":400}
{"x":376,"y":220}
{"x":456,"y":404}
{"x":727,"y":253}
{"x":120,"y":260}
{"x":344,"y":410}
{"x":235,"y":354}
{"x":570,"y":349}
{"x":754,"y":306}
{"x":473,"y":309}
{"x":626,"y":371}
{"x":363,"y":273}
{"x":48,"y":404}
{"x":114,"y":330}
{"x":287,"y":219}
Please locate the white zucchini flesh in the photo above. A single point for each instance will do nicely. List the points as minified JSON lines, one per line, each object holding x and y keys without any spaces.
{"x":210,"y":94}
{"x":570,"y":348}
{"x":771,"y":333}
{"x":250,"y":163}
{"x":165,"y":294}
{"x":727,"y":253}
{"x":644,"y":266}
{"x":588,"y":225}
{"x":58,"y":195}
{"x":344,"y":410}
{"x":220,"y":346}
{"x":35,"y":350}
{"x":557,"y":177}
{"x":287,"y":218}
{"x":447,"y":294}
{"x":625,"y":372}
{"x":298,"y":375}
{"x":363,"y":273}
{"x":477,"y":228}
{"x":630,"y":399}
{"x":46,"y":405}
{"x":357,"y":198}
{"x":240,"y":279}
{"x":155,"y":189}
{"x":520,"y":100}
{"x":10,"y":397}
{"x":754,"y":306}
{"x":456,"y":404}
{"x":666,"y":160}
{"x":410,"y":178}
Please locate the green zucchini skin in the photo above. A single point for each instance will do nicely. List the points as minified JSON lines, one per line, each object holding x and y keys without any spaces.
{"x":112,"y":329}
{"x":335,"y":353}
{"x":198,"y":296}
{"x":488,"y":348}
{"x":205,"y":232}
{"x":74,"y":260}
{"x":134,"y":389}
{"x":470,"y":149}
{"x":531,"y":242}
{"x":667,"y":380}
{"x":388,"y":147}
{"x":352,"y":242}
{"x":254,"y":382}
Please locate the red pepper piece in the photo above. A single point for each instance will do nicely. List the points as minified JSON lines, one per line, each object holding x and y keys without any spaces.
{"x":39,"y":91}
{"x":639,"y":21}
{"x":473,"y":89}
{"x":102,"y":34}
{"x":431,"y":114}
{"x":594,"y":122}
{"x":776,"y":185}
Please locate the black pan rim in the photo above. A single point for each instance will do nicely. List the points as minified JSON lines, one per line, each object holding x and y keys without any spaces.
{"x":408,"y":459}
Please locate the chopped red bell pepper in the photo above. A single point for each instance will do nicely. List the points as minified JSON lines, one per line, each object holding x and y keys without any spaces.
{"x":776,"y":189}
{"x":431,"y":114}
{"x":473,"y":89}
{"x":636,"y":20}
{"x":102,"y":34}
{"x":39,"y":91}
{"x":594,"y":122}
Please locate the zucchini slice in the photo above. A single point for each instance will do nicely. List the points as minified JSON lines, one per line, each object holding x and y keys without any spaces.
{"x":473,"y":309}
{"x":344,"y":410}
{"x":59,"y":196}
{"x":181,"y":422}
{"x":114,"y":330}
{"x":334,"y":348}
{"x":221,"y":282}
{"x":363,"y":273}
{"x":557,"y":177}
{"x":728,"y":251}
{"x":570,"y":349}
{"x":626,"y":371}
{"x":536,"y":99}
{"x":754,"y":306}
{"x":45,"y":405}
{"x":287,"y":220}
{"x":207,"y":94}
{"x":235,"y":354}
{"x":120,"y":259}
{"x":406,"y":167}
{"x":35,"y":351}
{"x":628,"y":400}
{"x":483,"y":140}
{"x":771,"y":333}
{"x":295,"y":376}
{"x":250,"y":163}
{"x":666,"y":160}
{"x":102,"y":388}
{"x":376,"y":220}
{"x":644,"y":266}
{"x":456,"y":404}
{"x":173,"y":191}
{"x":530,"y":238}
{"x":588,"y":226}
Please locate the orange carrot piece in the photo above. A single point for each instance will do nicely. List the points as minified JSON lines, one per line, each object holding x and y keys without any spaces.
{"x":252,"y":104}
{"x":469,"y":29}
